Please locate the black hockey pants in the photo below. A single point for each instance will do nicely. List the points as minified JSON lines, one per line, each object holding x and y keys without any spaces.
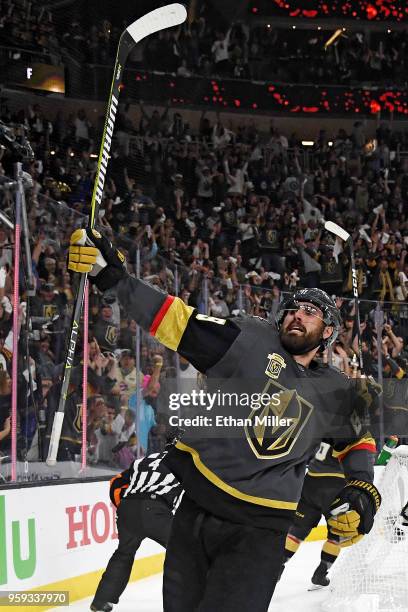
{"x":214,"y":565}
{"x":137,"y":519}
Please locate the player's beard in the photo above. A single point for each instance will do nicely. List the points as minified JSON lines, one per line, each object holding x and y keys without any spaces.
{"x":297,"y":344}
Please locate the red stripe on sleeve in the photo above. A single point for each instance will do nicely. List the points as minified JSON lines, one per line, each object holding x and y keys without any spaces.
{"x":363,"y":446}
{"x":161,"y":314}
{"x":290,"y":536}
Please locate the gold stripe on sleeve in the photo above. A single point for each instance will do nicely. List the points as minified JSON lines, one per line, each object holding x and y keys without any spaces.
{"x":173,"y":325}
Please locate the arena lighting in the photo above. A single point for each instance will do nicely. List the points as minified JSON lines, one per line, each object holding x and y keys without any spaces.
{"x":367,"y":10}
{"x":332,"y":38}
{"x":52,"y":152}
{"x":93,"y":156}
{"x":307,"y":143}
{"x":293,"y":27}
{"x":330,"y":143}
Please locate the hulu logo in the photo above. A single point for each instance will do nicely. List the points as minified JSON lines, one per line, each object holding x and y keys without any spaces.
{"x":23,"y":568}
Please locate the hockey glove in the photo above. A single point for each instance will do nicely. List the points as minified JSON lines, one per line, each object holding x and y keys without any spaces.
{"x":92,"y":253}
{"x":353,"y":512}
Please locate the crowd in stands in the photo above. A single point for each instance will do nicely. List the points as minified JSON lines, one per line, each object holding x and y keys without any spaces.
{"x":29,"y":27}
{"x":301,"y":56}
{"x":228,"y":219}
{"x":211,"y":47}
{"x":270,"y":53}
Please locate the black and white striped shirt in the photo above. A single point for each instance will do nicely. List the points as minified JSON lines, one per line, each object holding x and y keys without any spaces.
{"x":148,"y":477}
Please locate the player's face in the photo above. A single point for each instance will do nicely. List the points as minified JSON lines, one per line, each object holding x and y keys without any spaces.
{"x":303,"y":329}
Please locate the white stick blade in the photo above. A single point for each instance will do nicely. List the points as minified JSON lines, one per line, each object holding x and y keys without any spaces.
{"x":55,"y":438}
{"x":165,"y":17}
{"x":337,"y":230}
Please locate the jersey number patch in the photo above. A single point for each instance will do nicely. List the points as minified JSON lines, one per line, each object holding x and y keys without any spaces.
{"x":203,"y":317}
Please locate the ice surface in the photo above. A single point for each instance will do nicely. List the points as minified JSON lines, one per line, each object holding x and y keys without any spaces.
{"x":291,"y":593}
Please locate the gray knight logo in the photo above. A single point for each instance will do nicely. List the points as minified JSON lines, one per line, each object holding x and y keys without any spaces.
{"x":276,"y":428}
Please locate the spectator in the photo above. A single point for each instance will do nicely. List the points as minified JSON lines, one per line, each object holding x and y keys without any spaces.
{"x":105,"y":330}
{"x":220,"y":53}
{"x":145,"y":416}
{"x":5,"y":419}
{"x":125,"y":375}
{"x":218,"y":307}
{"x":82,"y":127}
{"x":108,"y":435}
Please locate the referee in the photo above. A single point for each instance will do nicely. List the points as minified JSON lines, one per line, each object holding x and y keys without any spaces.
{"x":145,"y":496}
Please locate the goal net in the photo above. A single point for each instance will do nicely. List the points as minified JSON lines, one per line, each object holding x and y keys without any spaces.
{"x":373,"y":575}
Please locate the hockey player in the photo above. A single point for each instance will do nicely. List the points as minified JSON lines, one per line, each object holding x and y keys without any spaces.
{"x":323,"y":481}
{"x":145,"y":496}
{"x":241,"y":489}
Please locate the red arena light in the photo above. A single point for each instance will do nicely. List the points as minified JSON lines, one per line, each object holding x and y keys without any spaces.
{"x":375,"y":107}
{"x":371,"y":12}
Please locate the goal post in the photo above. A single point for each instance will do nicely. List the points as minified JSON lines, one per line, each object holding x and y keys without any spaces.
{"x":373,"y":574}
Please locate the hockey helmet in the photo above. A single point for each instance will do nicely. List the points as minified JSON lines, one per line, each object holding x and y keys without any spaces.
{"x":319,"y":298}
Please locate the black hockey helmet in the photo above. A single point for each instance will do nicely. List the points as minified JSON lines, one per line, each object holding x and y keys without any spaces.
{"x":319,"y":298}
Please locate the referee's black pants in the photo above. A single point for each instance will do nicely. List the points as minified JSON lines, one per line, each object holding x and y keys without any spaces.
{"x":214,"y":565}
{"x":137,"y":518}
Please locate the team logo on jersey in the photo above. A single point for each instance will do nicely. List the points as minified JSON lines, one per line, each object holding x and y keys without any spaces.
{"x":111,"y":335}
{"x":275,"y":429}
{"x":356,"y":422}
{"x":275,"y":365}
{"x":271,"y":236}
{"x":77,"y":421}
{"x":49,"y":310}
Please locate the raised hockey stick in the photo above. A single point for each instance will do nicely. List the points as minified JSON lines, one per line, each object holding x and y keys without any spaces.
{"x":159,"y":19}
{"x":346,"y":237}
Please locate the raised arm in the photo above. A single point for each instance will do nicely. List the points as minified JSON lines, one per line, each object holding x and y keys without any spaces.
{"x":202,"y":340}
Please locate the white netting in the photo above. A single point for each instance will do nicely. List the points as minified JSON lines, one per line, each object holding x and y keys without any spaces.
{"x":373,"y":575}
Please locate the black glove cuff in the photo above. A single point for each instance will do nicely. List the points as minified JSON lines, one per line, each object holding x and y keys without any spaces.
{"x":108,"y":278}
{"x":368,"y":488}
